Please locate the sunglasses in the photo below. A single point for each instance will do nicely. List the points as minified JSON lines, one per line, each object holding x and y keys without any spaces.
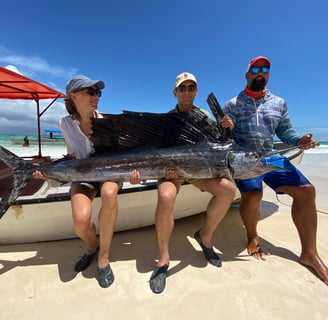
{"x":256,"y":70}
{"x":190,"y":88}
{"x":93,"y":91}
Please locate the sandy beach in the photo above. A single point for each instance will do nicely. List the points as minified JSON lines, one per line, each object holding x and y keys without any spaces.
{"x":38,"y":281}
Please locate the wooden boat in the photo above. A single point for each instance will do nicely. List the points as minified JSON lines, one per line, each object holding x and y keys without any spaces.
{"x":43,"y":211}
{"x":50,"y":137}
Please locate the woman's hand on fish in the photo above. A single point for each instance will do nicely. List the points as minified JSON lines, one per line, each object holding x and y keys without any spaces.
{"x":135,"y":177}
{"x":38,"y":175}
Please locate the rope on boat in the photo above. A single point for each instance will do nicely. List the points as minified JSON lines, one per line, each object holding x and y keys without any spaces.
{"x":289,"y":205}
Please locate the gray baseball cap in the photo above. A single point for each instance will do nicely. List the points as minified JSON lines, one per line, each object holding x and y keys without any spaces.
{"x":80,"y":82}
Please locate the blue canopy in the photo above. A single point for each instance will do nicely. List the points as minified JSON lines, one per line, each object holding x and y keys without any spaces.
{"x":53,"y":130}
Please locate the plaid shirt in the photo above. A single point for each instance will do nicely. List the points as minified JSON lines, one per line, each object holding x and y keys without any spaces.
{"x":257,"y":121}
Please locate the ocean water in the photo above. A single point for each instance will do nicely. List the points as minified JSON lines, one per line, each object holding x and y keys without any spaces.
{"x":54,"y":151}
{"x":57,"y":151}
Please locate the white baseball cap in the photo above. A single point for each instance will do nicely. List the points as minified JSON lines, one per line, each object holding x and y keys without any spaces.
{"x":184,"y":76}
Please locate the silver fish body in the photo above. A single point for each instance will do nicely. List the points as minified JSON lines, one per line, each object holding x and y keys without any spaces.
{"x":206,"y":160}
{"x":202,"y":161}
{"x":193,"y":161}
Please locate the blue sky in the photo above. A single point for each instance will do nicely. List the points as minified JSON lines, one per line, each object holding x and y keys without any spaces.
{"x":138,"y":47}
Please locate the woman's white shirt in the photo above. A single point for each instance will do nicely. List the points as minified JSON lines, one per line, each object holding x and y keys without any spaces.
{"x":78,"y":144}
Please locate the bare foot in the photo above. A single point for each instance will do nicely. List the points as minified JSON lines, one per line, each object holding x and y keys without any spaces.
{"x":254,"y":249}
{"x":315,"y":264}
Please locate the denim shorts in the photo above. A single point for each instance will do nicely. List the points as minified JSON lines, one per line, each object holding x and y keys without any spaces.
{"x":291,"y":176}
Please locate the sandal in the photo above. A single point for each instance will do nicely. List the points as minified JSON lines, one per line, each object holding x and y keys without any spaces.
{"x":254,"y":249}
{"x":85,"y":261}
{"x":158,"y":279}
{"x":209,"y":253}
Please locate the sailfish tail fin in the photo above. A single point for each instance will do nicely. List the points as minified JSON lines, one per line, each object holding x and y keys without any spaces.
{"x":20,"y":174}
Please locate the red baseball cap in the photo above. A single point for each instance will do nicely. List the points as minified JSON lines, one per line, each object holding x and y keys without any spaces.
{"x":257,"y":59}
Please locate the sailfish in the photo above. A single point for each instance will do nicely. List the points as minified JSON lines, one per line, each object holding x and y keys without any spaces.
{"x":190,"y":143}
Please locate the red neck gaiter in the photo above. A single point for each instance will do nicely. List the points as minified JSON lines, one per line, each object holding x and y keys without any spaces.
{"x":255,"y":95}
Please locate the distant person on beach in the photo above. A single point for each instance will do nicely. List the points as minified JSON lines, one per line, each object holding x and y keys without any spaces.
{"x":255,"y":117}
{"x":82,"y":96}
{"x":26,"y":141}
{"x":223,"y":191}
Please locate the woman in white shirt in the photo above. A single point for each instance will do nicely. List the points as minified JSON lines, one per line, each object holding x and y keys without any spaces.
{"x":82,"y":96}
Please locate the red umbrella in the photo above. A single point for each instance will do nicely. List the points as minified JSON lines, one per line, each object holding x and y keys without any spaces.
{"x":16,"y":86}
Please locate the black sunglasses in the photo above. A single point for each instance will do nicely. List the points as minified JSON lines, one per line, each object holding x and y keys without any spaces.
{"x":190,"y":88}
{"x":93,"y":91}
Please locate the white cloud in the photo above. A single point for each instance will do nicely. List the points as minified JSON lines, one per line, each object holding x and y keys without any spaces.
{"x":33,"y":65}
{"x":13,"y":68}
{"x":20,"y":116}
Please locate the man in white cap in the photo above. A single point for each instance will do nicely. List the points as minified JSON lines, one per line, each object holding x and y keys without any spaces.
{"x":255,"y":117}
{"x":223,"y":191}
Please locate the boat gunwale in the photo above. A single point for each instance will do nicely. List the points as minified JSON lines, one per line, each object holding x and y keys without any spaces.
{"x":65,"y":196}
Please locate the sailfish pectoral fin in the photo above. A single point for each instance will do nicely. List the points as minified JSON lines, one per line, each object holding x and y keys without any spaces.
{"x":276,"y":162}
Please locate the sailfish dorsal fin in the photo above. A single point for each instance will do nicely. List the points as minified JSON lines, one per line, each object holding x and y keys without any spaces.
{"x":140,"y":130}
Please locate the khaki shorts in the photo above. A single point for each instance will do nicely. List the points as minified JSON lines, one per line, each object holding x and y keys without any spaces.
{"x":198,"y":183}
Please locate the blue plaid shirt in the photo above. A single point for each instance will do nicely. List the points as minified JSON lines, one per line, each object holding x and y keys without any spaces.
{"x":257,"y":121}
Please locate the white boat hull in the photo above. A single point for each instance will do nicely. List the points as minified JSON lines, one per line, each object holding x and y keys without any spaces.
{"x":46,"y":221}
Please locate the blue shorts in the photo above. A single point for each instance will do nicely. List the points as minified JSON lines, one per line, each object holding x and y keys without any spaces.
{"x":275,"y":179}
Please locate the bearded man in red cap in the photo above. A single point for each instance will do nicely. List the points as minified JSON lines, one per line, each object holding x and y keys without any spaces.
{"x":255,"y":116}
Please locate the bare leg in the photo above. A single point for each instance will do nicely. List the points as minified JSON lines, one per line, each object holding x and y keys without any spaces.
{"x":304,"y":215}
{"x":164,"y":219}
{"x":250,"y":210}
{"x":81,"y":202}
{"x":107,"y":218}
{"x":223,"y":191}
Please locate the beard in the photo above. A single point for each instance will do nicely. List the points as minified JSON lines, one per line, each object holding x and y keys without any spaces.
{"x":258,"y":84}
